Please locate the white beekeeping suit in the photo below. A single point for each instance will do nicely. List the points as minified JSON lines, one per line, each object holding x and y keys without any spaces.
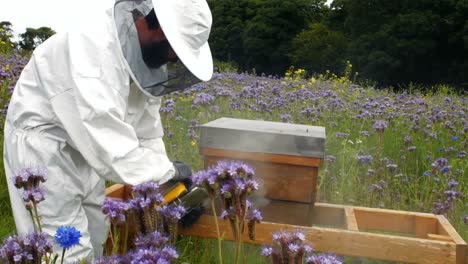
{"x":86,"y":108}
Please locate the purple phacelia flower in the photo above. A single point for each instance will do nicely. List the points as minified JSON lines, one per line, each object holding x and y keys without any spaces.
{"x":114,"y":259}
{"x":392,"y":167}
{"x":29,"y":248}
{"x":214,"y":108}
{"x":255,"y":216}
{"x":267,"y":251}
{"x":411,"y":148}
{"x":34,"y":195}
{"x":168,"y":107}
{"x":341,"y":135}
{"x":150,"y":193}
{"x":380,"y":125}
{"x":323,"y":259}
{"x":154,"y":239}
{"x":172,"y":212}
{"x":364,"y":133}
{"x":286,"y":118}
{"x":408,"y":140}
{"x":203,"y":99}
{"x":439,"y":163}
{"x":330,"y":158}
{"x":461,"y":154}
{"x":365,"y":159}
{"x":116,"y":210}
{"x":29,"y":178}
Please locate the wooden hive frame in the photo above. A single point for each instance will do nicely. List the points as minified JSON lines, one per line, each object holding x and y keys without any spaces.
{"x":356,"y":231}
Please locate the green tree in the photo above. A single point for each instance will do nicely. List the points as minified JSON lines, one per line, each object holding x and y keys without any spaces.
{"x":258,"y":33}
{"x":34,"y":37}
{"x":6,"y":37}
{"x":397,"y":42}
{"x":318,"y":49}
{"x":267,"y":36}
{"x":229,"y":18}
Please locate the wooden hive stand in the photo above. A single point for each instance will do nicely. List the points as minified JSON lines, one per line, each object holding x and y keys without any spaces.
{"x":354,"y":231}
{"x":286,"y":157}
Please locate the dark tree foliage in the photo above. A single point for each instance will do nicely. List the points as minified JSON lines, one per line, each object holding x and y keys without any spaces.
{"x":258,"y":33}
{"x":397,"y":42}
{"x":318,"y":49}
{"x":34,"y":37}
{"x":228,"y":24}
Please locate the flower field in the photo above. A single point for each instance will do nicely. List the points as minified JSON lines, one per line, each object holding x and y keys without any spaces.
{"x":404,"y":150}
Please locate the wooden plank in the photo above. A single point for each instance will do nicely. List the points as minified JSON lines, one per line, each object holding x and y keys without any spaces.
{"x":329,"y":216}
{"x":396,"y":221}
{"x":344,"y":242}
{"x":282,"y":181}
{"x":265,"y":157}
{"x":117,"y":191}
{"x":413,"y":223}
{"x":461,"y":246}
{"x":439,"y":237}
{"x":351,"y":223}
{"x":285,"y":212}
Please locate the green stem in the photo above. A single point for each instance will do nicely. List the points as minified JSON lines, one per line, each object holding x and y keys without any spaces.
{"x":37,"y":217}
{"x":63,"y":255}
{"x":38,"y":220}
{"x":239,"y":239}
{"x":125,"y":238}
{"x":32,"y":218}
{"x":115,"y":248}
{"x":217,"y":231}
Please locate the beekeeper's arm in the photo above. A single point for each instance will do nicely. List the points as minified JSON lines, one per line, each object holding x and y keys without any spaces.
{"x":93,"y":114}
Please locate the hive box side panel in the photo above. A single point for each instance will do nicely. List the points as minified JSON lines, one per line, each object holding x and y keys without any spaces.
{"x":282,"y":181}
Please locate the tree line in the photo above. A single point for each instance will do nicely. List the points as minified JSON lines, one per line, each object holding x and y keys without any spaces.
{"x":392,"y":42}
{"x":28,"y":40}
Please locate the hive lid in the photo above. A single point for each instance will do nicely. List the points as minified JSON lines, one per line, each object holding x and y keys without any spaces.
{"x":263,"y":137}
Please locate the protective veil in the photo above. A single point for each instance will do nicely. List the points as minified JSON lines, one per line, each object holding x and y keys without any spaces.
{"x":186,"y":25}
{"x":82,"y":112}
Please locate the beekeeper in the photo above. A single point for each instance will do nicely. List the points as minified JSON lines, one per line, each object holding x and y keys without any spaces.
{"x":86,"y":108}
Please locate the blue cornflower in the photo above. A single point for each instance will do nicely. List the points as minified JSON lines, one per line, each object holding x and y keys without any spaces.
{"x":67,"y":236}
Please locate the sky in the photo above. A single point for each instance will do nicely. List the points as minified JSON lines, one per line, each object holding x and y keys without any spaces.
{"x":59,"y":15}
{"x":56,"y":14}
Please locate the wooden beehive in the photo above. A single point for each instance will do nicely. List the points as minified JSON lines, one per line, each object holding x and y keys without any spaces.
{"x":286,"y":157}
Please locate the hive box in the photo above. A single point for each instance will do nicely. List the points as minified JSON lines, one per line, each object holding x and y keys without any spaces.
{"x":286,"y":158}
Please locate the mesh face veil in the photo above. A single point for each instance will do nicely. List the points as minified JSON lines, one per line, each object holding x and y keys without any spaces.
{"x":153,"y":73}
